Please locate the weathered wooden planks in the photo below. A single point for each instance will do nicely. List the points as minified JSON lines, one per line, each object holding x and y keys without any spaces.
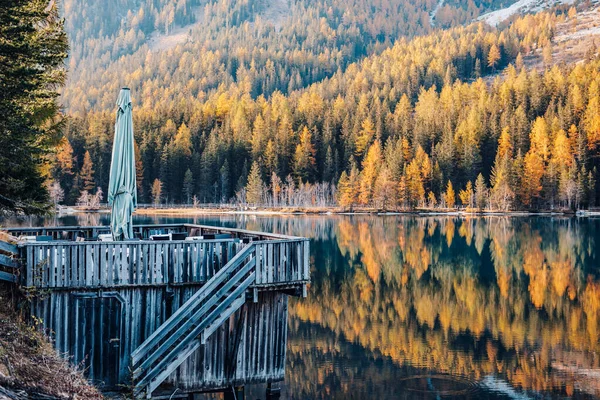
{"x":282,"y":262}
{"x":144,"y":231}
{"x":96,"y":264}
{"x":6,"y":276}
{"x":131,"y":288}
{"x":260,"y":357}
{"x":200,"y":316}
{"x":8,"y":248}
{"x":8,"y":262}
{"x":98,"y":331}
{"x":113,"y":264}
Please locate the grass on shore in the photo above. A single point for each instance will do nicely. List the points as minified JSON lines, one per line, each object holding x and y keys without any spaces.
{"x":336,"y":210}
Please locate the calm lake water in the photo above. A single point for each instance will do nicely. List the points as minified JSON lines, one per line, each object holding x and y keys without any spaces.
{"x":436,"y":307}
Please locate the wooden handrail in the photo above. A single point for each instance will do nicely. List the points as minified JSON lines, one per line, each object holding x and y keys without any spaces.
{"x":170,"y":344}
{"x":8,"y":261}
{"x":8,"y":248}
{"x":184,"y":348}
{"x":184,"y":312}
{"x":121,"y":243}
{"x":69,"y":265}
{"x":35,"y":231}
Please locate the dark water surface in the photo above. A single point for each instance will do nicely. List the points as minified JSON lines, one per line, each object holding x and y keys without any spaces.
{"x":412,"y":307}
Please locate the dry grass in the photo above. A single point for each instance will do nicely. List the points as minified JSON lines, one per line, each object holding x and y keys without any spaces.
{"x":266,"y":211}
{"x":233,"y":210}
{"x":29,"y":366}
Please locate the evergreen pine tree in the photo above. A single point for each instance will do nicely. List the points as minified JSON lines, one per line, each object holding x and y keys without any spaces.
{"x":329,"y":168}
{"x":255,"y":186}
{"x":33,"y":47}
{"x":243,"y":179}
{"x":304,"y":157}
{"x":225,"y":186}
{"x":188,"y":186}
{"x":86,"y":175}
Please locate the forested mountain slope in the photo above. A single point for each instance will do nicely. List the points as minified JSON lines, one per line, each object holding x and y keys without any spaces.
{"x":191,"y":47}
{"x":408,"y":126}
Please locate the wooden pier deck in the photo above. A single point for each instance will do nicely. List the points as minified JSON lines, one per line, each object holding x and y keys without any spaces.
{"x":206,"y":311}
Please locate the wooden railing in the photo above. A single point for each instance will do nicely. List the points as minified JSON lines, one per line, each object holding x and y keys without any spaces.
{"x":89,"y":264}
{"x":109,"y":264}
{"x":70,"y":265}
{"x":281,"y":261}
{"x":70,"y":233}
{"x":61,"y":232}
{"x":8,"y":264}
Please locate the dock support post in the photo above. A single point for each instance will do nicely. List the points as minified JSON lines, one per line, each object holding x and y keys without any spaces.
{"x":236,"y":393}
{"x":273,"y":393}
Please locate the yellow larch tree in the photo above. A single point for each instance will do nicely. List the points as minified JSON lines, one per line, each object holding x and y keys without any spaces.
{"x":450,"y":196}
{"x":384,"y":194}
{"x":364,"y":137}
{"x":467,"y":195}
{"x":540,"y":143}
{"x":531,"y":182}
{"x":371,"y":166}
{"x":493,"y":56}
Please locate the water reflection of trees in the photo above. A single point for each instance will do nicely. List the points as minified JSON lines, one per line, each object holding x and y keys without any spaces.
{"x":516,"y":297}
{"x":510,"y":296}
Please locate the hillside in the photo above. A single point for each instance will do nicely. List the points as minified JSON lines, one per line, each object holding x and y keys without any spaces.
{"x":496,"y":17}
{"x":574,"y":40}
{"x":410,"y":125}
{"x":196,"y":46}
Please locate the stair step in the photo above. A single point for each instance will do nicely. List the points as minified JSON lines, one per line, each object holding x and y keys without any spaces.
{"x":191,"y":324}
{"x":185,"y":310}
{"x":167,"y":371}
{"x":217,"y":323}
{"x":188,"y":328}
{"x":168,"y":362}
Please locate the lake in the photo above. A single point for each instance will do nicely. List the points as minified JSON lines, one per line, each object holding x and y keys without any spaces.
{"x":429,"y":307}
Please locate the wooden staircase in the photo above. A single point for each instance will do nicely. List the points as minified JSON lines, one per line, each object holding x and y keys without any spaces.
{"x":9,"y":266}
{"x":189,"y":327}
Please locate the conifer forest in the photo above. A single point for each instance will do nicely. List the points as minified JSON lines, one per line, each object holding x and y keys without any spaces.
{"x":385,"y":104}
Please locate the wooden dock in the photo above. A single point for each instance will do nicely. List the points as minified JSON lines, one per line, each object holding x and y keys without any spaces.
{"x":205,"y":309}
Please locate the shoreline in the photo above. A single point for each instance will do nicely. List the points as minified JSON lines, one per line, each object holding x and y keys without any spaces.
{"x":266,"y":211}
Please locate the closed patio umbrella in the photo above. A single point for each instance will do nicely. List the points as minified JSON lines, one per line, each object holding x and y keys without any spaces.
{"x":122,"y":186}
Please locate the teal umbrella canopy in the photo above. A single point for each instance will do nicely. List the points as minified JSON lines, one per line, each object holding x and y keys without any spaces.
{"x":122,"y":186}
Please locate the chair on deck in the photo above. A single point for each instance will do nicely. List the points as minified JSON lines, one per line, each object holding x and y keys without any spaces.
{"x":159,"y":237}
{"x":106,"y":237}
{"x":179,"y":236}
{"x":218,"y":236}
